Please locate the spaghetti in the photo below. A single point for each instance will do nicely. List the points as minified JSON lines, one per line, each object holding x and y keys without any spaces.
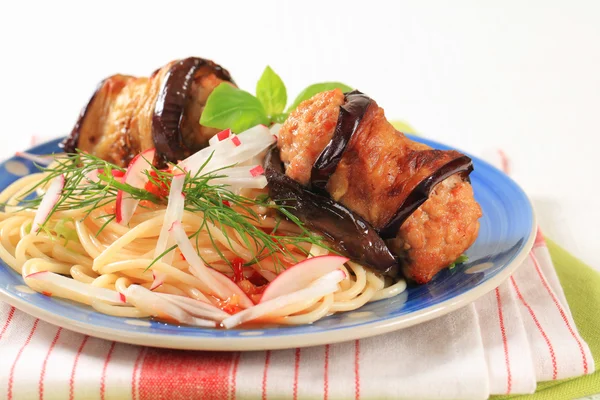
{"x":88,"y":246}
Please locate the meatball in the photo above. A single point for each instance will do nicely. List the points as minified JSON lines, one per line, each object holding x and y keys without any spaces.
{"x":378,"y":170}
{"x":120,"y":120}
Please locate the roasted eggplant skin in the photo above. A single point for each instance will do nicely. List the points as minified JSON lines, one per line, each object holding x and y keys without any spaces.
{"x":168,"y":120}
{"x":351,"y":113}
{"x":127,"y":115}
{"x":419,"y":199}
{"x":348,"y":233}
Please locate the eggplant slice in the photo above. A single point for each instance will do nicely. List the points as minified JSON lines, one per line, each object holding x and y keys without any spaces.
{"x":418,"y":199}
{"x":347,"y":232}
{"x":127,"y":115}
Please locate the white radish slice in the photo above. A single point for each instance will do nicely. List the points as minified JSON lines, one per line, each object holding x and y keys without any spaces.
{"x":174,"y":212}
{"x":194,"y":162}
{"x":247,"y":171}
{"x":243,"y":299}
{"x":301,"y":275}
{"x":197,"y":267}
{"x":92,"y":176}
{"x":196,"y":308}
{"x":316,"y":250}
{"x":275,"y":130}
{"x":36,"y":158}
{"x":219,"y":137}
{"x":235,"y":149}
{"x":48,"y":202}
{"x":259,"y":182}
{"x":256,"y":134}
{"x":83,"y":289}
{"x":159,"y":307}
{"x":240,"y":154}
{"x":134,"y":176}
{"x":321,"y":287}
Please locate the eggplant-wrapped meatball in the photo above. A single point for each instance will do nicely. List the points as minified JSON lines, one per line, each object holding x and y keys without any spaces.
{"x":127,"y":115}
{"x":416,"y":197}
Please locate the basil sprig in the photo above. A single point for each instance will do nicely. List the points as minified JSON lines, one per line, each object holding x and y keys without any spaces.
{"x":238,"y":110}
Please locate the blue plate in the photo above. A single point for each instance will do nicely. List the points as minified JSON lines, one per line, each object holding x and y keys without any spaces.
{"x":505,"y":237}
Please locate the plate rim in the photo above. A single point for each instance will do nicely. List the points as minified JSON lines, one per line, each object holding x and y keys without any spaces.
{"x":256,"y":343}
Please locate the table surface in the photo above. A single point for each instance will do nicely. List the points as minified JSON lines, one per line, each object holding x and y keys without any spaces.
{"x":522,"y":78}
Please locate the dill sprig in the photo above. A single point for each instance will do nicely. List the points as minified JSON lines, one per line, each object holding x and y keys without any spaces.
{"x":217,"y":204}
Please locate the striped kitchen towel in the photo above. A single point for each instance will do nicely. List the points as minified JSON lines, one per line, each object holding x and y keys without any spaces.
{"x":519,"y":334}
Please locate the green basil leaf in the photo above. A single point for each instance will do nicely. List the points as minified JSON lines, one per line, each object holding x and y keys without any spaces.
{"x":271,"y":92}
{"x":279,"y":118}
{"x":230,"y":107}
{"x":317,"y":88}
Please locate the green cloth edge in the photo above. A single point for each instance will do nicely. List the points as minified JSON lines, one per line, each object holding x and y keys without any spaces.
{"x":581,"y":285}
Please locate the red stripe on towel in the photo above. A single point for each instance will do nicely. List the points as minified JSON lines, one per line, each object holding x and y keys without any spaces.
{"x":45,"y":363}
{"x":357,"y":369}
{"x":104,"y":368}
{"x":72,"y":380}
{"x":11,"y":313}
{"x":539,"y":327}
{"x":265,"y":374}
{"x":234,"y":370}
{"x":326,"y":374}
{"x":561,"y":311}
{"x":296,"y":372}
{"x":504,"y":343}
{"x":134,"y":375}
{"x":170,"y":374}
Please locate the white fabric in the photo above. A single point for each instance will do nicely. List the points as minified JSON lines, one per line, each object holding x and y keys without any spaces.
{"x":505,"y":342}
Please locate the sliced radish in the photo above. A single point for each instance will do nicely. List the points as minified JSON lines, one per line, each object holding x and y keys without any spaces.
{"x":196,"y":308}
{"x":48,"y":202}
{"x":321,"y":287}
{"x":93,"y":176}
{"x":260,"y":182}
{"x":301,"y":275}
{"x":36,"y":158}
{"x":159,"y":307}
{"x":275,"y":130}
{"x":84,"y":289}
{"x":243,"y":298}
{"x":194,"y":162}
{"x":174,"y":212}
{"x":197,"y":267}
{"x":236,"y":149}
{"x":256,"y":134}
{"x":134,"y":176}
{"x":219,"y":137}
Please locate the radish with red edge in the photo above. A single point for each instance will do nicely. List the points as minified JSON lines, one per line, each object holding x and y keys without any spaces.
{"x":159,"y":307}
{"x":301,"y":275}
{"x":319,"y":288}
{"x":134,"y":176}
{"x":48,"y":202}
{"x":219,"y":137}
{"x":259,"y":182}
{"x":196,"y":308}
{"x":174,"y":212}
{"x":275,"y":130}
{"x":52,"y":281}
{"x":40,"y":160}
{"x":241,"y":148}
{"x":243,"y":299}
{"x":194,"y":162}
{"x":197,"y":267}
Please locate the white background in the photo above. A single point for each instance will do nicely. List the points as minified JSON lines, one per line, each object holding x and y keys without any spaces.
{"x":523,"y":76}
